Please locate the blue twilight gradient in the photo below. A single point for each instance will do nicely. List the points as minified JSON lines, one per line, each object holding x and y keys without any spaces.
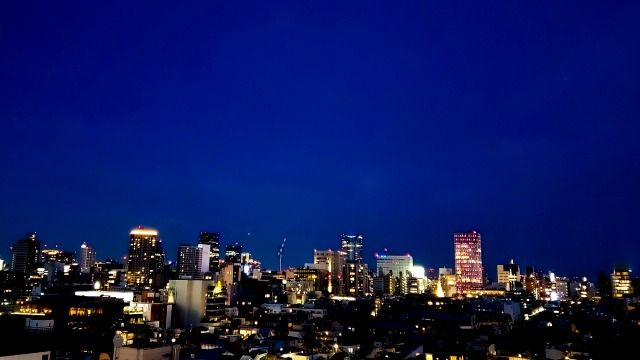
{"x":405,"y":121}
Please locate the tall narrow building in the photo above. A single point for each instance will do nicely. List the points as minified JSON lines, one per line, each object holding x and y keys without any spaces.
{"x":352,"y":246}
{"x":621,"y":282}
{"x":213,"y":240}
{"x":87,"y":258}
{"x":25,"y":254}
{"x":146,"y":257}
{"x":468,"y":261}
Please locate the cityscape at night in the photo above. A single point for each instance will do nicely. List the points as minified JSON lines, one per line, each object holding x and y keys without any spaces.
{"x":319,"y":180}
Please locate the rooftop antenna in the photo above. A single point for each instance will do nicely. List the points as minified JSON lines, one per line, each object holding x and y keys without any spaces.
{"x":280,"y":251}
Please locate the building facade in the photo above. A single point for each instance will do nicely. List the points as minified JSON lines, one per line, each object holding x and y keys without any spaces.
{"x":193,"y":261}
{"x":468,"y":261}
{"x":25,"y":254}
{"x":233,"y":254}
{"x":352,"y":246}
{"x":213,"y":240}
{"x":87,"y":258}
{"x":621,"y":282}
{"x":333,"y":261}
{"x":146,"y":257}
{"x":508,"y":275}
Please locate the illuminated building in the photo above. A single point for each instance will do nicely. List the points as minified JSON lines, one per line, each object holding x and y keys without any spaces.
{"x":215,"y":303}
{"x":352,"y":246}
{"x":447,"y":281}
{"x":550,"y":288}
{"x":146,"y":257}
{"x":56,"y":255}
{"x":87,"y":258}
{"x":584,"y":288}
{"x":25,"y":254}
{"x":508,"y":275}
{"x":356,"y":278}
{"x":193,"y":261}
{"x":398,"y":266}
{"x":233,"y":254}
{"x":468,"y":261}
{"x":333,"y":261}
{"x":621,"y":282}
{"x":213,"y":240}
{"x":563,"y":288}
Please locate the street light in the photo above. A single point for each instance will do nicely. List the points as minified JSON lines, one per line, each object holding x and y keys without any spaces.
{"x":174,"y":353}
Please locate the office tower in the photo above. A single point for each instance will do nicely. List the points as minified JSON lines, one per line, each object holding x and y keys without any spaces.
{"x":621,"y":282}
{"x":397,"y":264}
{"x":25,"y":254}
{"x":146,"y":257}
{"x":213,"y":240}
{"x":352,"y":246}
{"x":87,"y":258}
{"x":193,"y":261}
{"x":468,"y":261}
{"x":508,"y":275}
{"x":398,"y":267}
{"x":333,"y":261}
{"x":233,"y":254}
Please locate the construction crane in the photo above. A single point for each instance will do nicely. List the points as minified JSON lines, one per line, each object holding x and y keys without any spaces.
{"x":280,"y":252}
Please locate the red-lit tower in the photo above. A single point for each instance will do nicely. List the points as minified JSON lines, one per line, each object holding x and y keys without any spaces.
{"x":468,"y":258}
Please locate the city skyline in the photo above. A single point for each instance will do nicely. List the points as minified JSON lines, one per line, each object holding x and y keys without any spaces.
{"x":403,"y":122}
{"x":371,"y":259}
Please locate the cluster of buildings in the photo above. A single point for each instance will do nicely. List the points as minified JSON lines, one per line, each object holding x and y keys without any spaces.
{"x":224,"y":302}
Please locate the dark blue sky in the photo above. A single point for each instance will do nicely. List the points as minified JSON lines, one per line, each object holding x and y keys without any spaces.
{"x":405,"y":121}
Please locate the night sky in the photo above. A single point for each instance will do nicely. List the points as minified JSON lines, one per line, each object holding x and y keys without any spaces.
{"x":405,"y":121}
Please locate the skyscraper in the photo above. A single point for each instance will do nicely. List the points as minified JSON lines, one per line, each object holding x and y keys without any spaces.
{"x":213,"y":240}
{"x":25,"y":254}
{"x":468,"y":261}
{"x":193,"y":261}
{"x":233,"y":254}
{"x":146,"y":257}
{"x":87,"y":258}
{"x":621,"y":282}
{"x":352,"y":246}
{"x":333,"y":261}
{"x":397,"y":264}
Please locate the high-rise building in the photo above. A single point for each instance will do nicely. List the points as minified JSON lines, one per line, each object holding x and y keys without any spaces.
{"x":397,"y":264}
{"x":508,"y":275}
{"x":468,"y":261}
{"x":352,"y":246}
{"x":621,"y":282}
{"x":397,"y":267}
{"x":213,"y":240}
{"x":356,"y":278}
{"x":55,"y":255}
{"x":25,"y":254}
{"x":193,"y":261}
{"x":233,"y":254}
{"x":87,"y":258}
{"x":146,"y":257}
{"x":333,"y":261}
